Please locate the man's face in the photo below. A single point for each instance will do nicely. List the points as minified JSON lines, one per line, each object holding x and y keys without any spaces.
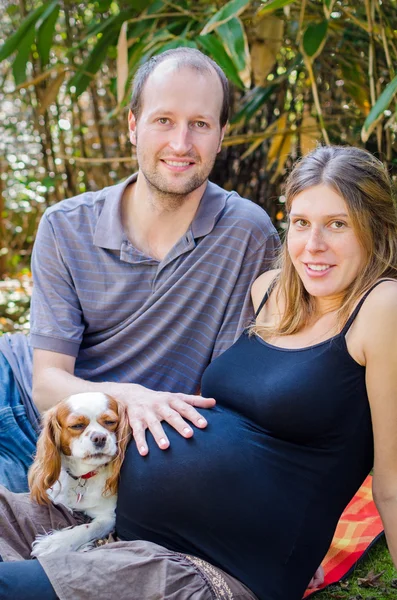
{"x":178,"y":135}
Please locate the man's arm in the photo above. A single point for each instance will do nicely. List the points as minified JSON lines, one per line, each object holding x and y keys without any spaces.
{"x":54,"y":379}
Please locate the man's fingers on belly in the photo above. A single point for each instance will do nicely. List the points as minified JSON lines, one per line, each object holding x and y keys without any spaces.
{"x":138,"y":433}
{"x":155,"y":428}
{"x":175,"y":420}
{"x":188,"y":412}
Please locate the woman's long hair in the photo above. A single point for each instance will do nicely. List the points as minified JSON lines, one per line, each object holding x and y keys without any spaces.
{"x":363,"y":182}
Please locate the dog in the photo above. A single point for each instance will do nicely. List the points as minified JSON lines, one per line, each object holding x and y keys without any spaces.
{"x":79,"y":455}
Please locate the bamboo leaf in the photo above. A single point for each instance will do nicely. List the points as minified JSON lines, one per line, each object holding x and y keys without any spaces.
{"x":236,"y":45}
{"x":232,"y":9}
{"x":314,"y":39}
{"x":20,"y":62}
{"x":13,"y":42}
{"x":45,"y":34}
{"x":87,"y":71}
{"x":377,"y":110}
{"x":257,"y":98}
{"x":122,"y":62}
{"x":214,"y":47}
{"x":273,"y":5}
{"x":51,"y":93}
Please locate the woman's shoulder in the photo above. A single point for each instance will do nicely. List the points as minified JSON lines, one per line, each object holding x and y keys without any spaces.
{"x":378,"y":314}
{"x":261,"y":286}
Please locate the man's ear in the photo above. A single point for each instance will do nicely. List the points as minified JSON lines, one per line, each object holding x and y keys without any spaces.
{"x":223,"y":131}
{"x":132,"y":127}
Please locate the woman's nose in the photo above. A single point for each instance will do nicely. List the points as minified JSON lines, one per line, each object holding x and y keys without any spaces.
{"x":316,"y":240}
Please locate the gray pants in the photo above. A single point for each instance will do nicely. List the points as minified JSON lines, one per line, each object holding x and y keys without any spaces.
{"x":136,"y":570}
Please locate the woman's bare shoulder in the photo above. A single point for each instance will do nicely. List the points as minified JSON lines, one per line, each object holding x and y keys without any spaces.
{"x":261,"y":285}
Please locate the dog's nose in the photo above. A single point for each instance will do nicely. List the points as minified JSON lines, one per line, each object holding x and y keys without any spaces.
{"x":98,"y":439}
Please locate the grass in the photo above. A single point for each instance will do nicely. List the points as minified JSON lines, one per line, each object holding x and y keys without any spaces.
{"x":374,"y":578}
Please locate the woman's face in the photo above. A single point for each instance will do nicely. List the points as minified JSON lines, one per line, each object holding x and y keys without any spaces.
{"x":323,"y":245}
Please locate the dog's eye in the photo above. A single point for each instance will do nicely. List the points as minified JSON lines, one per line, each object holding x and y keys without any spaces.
{"x":110,"y":423}
{"x":77,"y":427}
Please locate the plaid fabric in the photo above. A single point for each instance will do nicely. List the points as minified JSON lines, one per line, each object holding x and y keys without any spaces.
{"x":359,"y":525}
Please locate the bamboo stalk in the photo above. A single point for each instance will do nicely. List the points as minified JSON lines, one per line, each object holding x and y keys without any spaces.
{"x":317,"y":101}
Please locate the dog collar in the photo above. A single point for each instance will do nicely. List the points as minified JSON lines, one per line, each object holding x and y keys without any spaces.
{"x":85,"y":476}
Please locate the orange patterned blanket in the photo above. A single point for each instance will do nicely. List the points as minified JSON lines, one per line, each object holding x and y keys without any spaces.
{"x":359,"y":526}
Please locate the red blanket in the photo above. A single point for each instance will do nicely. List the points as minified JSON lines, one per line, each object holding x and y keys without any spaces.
{"x":359,"y":525}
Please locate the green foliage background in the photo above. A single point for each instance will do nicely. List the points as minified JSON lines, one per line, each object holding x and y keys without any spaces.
{"x":303,"y":72}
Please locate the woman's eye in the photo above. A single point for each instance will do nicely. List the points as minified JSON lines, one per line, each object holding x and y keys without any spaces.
{"x":163,"y":121}
{"x":338,"y":224}
{"x":301,"y":222}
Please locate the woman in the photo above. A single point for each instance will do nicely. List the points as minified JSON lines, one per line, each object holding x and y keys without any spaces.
{"x":304,"y":397}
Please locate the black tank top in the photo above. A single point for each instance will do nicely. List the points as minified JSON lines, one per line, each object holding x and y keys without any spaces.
{"x":260,"y":491}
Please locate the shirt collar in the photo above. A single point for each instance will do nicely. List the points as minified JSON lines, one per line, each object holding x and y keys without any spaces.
{"x":109,"y":232}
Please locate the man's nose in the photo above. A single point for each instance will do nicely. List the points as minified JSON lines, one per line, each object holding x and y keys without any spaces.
{"x":180,"y":140}
{"x":98,"y":439}
{"x":316,"y":241}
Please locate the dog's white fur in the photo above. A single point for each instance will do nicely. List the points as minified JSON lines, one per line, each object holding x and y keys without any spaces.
{"x":79,"y":448}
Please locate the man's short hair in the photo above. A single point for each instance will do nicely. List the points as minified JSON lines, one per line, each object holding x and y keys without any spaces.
{"x":184,"y":57}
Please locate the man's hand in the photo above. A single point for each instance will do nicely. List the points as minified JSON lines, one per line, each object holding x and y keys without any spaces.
{"x":147,"y":408}
{"x":317,"y":579}
{"x":54,"y":380}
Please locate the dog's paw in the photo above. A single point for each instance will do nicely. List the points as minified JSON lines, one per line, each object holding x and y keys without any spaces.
{"x":54,"y":541}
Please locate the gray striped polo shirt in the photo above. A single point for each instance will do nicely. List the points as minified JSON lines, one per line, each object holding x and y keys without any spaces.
{"x":130,"y":318}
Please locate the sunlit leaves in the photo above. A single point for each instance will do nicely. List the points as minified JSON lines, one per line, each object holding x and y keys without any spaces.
{"x":377,"y":110}
{"x":272,"y":5}
{"x":231,"y":10}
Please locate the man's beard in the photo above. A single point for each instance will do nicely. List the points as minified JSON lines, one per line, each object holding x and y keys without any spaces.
{"x":173,"y":196}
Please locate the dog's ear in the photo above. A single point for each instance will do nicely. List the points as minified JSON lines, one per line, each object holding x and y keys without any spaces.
{"x":46,"y":467}
{"x":123,"y":437}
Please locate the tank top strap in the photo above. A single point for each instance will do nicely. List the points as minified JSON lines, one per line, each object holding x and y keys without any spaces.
{"x":359,"y":305}
{"x":266,"y":296}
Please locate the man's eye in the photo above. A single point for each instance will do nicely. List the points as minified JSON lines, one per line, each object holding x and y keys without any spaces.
{"x":77,"y":427}
{"x":201,"y":124}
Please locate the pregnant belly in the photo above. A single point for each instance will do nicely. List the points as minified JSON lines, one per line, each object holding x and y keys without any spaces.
{"x":224,"y":488}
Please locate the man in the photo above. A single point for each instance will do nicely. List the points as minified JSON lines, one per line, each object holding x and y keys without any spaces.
{"x":139,"y":286}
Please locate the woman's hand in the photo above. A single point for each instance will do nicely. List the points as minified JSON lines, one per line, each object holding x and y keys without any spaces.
{"x":317,"y":579}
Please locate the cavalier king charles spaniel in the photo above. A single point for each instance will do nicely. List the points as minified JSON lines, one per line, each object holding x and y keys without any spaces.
{"x":79,"y":454}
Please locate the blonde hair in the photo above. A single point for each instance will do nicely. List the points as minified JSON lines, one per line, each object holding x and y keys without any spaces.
{"x":363,"y":182}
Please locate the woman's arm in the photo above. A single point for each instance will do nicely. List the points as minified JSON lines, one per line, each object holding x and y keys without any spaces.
{"x":378,"y":325}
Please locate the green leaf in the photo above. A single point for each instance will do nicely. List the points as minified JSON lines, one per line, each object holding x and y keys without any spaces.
{"x":235,"y":42}
{"x":273,"y":5}
{"x":178,"y":43}
{"x":214,"y":47}
{"x":314,"y":39}
{"x":232,"y":9}
{"x":257,"y":98}
{"x":88,"y":69}
{"x":45,"y":35}
{"x":14,"y":41}
{"x":19,"y":64}
{"x":379,"y":107}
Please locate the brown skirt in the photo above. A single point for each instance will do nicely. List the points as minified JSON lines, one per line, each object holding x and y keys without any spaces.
{"x":136,"y":570}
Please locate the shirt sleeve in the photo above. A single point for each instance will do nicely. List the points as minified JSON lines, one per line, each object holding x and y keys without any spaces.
{"x":239,"y":311}
{"x":56,"y":315}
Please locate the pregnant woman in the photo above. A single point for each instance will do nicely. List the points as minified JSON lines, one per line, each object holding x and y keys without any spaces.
{"x":306,"y":407}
